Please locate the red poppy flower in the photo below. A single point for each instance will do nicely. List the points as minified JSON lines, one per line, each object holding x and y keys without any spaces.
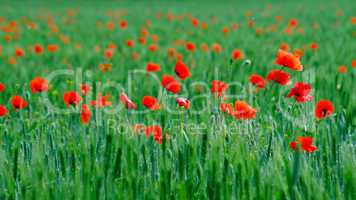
{"x":225,"y":30}
{"x":353,"y":63}
{"x":183,"y":102}
{"x":129,"y":43}
{"x":216,"y":47}
{"x":286,"y":59}
{"x":190,"y":46}
{"x":257,"y":81}
{"x":123,"y":24}
{"x":293,"y":22}
{"x":19,"y":52}
{"x":152,"y":47}
{"x":218,"y":87}
{"x":2,"y":87}
{"x":72,"y":98}
{"x":3,"y":111}
{"x":85,"y":114}
{"x":85,"y":89}
{"x":102,"y":101}
{"x":38,"y":85}
{"x":244,"y":111}
{"x":342,"y":69}
{"x":18,"y":102}
{"x":109,"y":53}
{"x":300,"y":92}
{"x":154,"y":130}
{"x":306,"y":144}
{"x":227,"y":108}
{"x":153,"y":67}
{"x":237,"y":54}
{"x":279,"y":76}
{"x":38,"y":49}
{"x":181,"y":70}
{"x":127,"y":101}
{"x":195,"y":22}
{"x":150,"y":103}
{"x":323,"y":109}
{"x":142,"y":40}
{"x":314,"y":46}
{"x":284,"y":46}
{"x":52,"y":48}
{"x":171,"y":84}
{"x":110,"y":25}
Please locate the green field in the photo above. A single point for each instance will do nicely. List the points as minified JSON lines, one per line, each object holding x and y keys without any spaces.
{"x":53,"y":147}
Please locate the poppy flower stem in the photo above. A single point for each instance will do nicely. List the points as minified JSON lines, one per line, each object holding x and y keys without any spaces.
{"x":269,"y":149}
{"x":295,"y":175}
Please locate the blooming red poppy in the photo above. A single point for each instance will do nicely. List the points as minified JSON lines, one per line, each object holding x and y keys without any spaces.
{"x":127,"y":101}
{"x":182,"y":70}
{"x":153,"y":67}
{"x":130,"y":43}
{"x":123,"y":24}
{"x":102,"y":101}
{"x":225,"y":30}
{"x":142,"y":40}
{"x":19,"y":52}
{"x":152,"y":47}
{"x":3,"y":111}
{"x":183,"y":102}
{"x":2,"y":87}
{"x":353,"y":63}
{"x":190,"y":46}
{"x":150,"y":103}
{"x":284,"y":46}
{"x":342,"y":69}
{"x":286,"y":59}
{"x":110,"y":25}
{"x":279,"y":76}
{"x":323,"y":109}
{"x":227,"y":108}
{"x":154,"y":130}
{"x":85,"y":114}
{"x":38,"y":48}
{"x":306,"y":144}
{"x":52,"y":48}
{"x":216,"y":47}
{"x":218,"y":87}
{"x":314,"y":46}
{"x":195,"y":22}
{"x":300,"y":92}
{"x":38,"y":85}
{"x":85,"y":89}
{"x":72,"y":98}
{"x":257,"y":81}
{"x":237,"y":54}
{"x":171,"y":84}
{"x":109,"y":53}
{"x":293,"y":22}
{"x":244,"y":111}
{"x":18,"y":102}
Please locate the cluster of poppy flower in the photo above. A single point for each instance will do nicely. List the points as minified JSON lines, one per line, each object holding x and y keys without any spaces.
{"x":300,"y":92}
{"x":240,"y":110}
